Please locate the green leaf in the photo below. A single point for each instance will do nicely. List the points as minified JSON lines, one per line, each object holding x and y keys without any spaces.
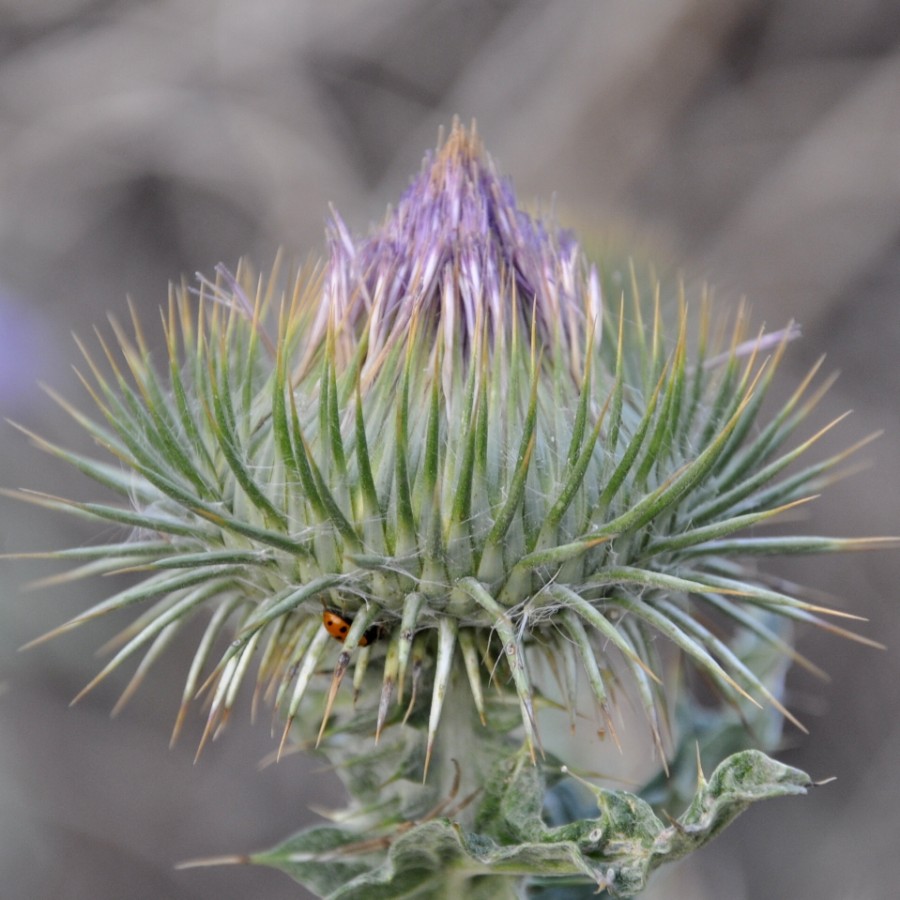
{"x":441,"y":859}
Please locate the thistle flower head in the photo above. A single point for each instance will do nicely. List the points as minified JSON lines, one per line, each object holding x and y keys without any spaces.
{"x":450,"y":454}
{"x":459,"y":254}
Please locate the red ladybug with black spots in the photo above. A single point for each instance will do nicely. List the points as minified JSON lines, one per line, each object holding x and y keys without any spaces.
{"x":338,"y":626}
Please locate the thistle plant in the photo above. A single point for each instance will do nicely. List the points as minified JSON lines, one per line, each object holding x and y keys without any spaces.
{"x":453,"y":478}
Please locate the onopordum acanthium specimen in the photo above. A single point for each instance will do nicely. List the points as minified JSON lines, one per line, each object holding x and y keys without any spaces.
{"x":492,"y":471}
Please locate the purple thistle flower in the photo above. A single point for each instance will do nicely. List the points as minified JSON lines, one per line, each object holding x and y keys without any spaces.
{"x":458,"y":252}
{"x":484,"y":499}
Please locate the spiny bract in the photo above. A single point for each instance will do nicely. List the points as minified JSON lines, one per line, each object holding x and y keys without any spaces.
{"x":445,"y":439}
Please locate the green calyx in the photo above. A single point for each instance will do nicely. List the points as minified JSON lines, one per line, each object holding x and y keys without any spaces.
{"x":488,"y":499}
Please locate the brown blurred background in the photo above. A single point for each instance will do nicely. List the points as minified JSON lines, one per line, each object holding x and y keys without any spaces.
{"x":754,"y":144}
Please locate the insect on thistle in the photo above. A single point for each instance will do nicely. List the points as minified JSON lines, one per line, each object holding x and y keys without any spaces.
{"x":338,"y":625}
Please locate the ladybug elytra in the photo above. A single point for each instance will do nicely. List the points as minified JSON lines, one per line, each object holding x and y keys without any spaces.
{"x":337,"y":626}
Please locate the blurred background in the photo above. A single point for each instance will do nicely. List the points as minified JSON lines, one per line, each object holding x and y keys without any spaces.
{"x":752,"y":144}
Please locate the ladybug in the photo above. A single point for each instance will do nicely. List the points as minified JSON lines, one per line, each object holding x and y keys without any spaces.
{"x":337,"y":626}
